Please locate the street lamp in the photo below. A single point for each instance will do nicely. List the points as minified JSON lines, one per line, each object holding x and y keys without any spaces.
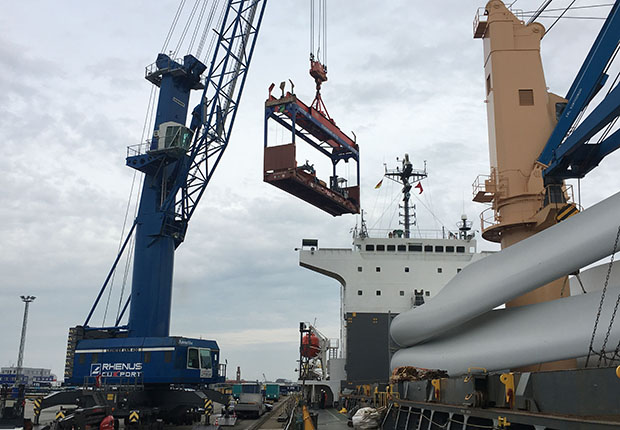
{"x":22,"y":343}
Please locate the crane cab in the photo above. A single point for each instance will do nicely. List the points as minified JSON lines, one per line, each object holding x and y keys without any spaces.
{"x":172,"y":137}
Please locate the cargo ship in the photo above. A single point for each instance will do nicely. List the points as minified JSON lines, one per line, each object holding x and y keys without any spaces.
{"x":382,"y":274}
{"x":525,"y":337}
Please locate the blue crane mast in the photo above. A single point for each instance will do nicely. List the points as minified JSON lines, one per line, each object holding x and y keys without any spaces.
{"x":569,"y":152}
{"x":178,"y":163}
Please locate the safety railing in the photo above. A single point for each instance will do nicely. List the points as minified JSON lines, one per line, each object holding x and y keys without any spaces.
{"x":488,"y":218}
{"x":139,"y":149}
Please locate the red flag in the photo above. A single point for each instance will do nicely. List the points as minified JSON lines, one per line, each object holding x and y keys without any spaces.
{"x":419,"y":187}
{"x":379,"y":184}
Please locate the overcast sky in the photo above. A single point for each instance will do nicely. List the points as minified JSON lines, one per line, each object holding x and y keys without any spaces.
{"x":404,"y":76}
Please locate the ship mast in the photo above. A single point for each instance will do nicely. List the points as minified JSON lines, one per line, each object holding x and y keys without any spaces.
{"x":406,"y":175}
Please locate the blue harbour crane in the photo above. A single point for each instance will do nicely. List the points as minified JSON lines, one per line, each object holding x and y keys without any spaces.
{"x":177,"y":162}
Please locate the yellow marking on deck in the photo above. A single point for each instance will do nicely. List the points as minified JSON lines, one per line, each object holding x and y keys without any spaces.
{"x":134,"y":416}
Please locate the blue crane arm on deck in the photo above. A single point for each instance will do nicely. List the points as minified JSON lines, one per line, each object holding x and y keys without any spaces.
{"x":572,"y":157}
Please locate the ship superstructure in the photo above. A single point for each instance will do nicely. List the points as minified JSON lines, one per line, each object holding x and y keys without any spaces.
{"x":385,"y":273}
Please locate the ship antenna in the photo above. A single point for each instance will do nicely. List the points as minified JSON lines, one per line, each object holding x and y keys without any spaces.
{"x":406,"y":176}
{"x":363,"y":228}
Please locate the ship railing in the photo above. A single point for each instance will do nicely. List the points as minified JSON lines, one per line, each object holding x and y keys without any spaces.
{"x":414,"y":234}
{"x":558,"y":195}
{"x":481,"y":17}
{"x":488,"y":218}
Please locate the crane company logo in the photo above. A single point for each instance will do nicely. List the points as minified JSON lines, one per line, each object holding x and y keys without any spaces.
{"x":116,"y":370}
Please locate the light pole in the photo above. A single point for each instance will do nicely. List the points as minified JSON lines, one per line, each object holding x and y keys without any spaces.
{"x":22,"y":342}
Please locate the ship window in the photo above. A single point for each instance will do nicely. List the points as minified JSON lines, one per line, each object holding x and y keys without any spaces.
{"x":378,"y":292}
{"x":377,"y":269}
{"x":439,"y":270}
{"x":458,"y":269}
{"x":402,"y":293}
{"x":359,"y":292}
{"x":82,"y":359}
{"x":428,"y":248}
{"x":406,"y":269}
{"x":168,"y":356}
{"x":192,"y":358}
{"x":488,"y":84}
{"x":449,"y":248}
{"x":402,"y":247}
{"x":94,"y":358}
{"x":460,"y":249}
{"x":415,"y":248}
{"x":147,"y":357}
{"x":428,"y":294}
{"x":526,"y":97}
{"x":370,"y":247}
{"x":391,"y":247}
{"x":359,"y":268}
{"x":380,"y":247}
{"x":439,"y":248}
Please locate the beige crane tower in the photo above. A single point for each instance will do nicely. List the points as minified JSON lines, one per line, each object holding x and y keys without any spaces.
{"x":521,"y":115}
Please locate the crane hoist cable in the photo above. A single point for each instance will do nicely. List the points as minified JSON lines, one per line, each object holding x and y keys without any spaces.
{"x":188,"y":23}
{"x":173,"y":25}
{"x":206,"y":28}
{"x":559,"y":17}
{"x":198,"y":26}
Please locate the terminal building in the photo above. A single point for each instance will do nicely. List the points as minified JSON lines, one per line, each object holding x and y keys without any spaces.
{"x":29,"y":376}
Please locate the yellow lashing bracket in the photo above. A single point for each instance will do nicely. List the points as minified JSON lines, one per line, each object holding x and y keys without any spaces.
{"x":208,"y":407}
{"x":502,"y":422}
{"x":134,"y":417}
{"x":436,"y":383}
{"x":566,"y":212}
{"x":508,"y":379}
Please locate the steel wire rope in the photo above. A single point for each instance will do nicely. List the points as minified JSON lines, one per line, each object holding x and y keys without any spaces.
{"x":150,"y":105}
{"x":600,"y":306}
{"x":312,"y":27}
{"x":374,"y":205}
{"x":206,"y":28}
{"x":129,"y":258}
{"x":215,"y":36}
{"x":600,"y":18}
{"x":192,"y":13}
{"x":325,"y":33}
{"x":173,"y":26}
{"x":380,"y":218}
{"x":318,"y":49}
{"x":435,"y":217}
{"x":574,"y":8}
{"x":559,"y":17}
{"x":197,"y":26}
{"x":538,"y":11}
{"x":147,"y":122}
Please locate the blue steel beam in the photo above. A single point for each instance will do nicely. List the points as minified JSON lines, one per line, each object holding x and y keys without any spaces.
{"x":602,"y":115}
{"x":584,"y":86}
